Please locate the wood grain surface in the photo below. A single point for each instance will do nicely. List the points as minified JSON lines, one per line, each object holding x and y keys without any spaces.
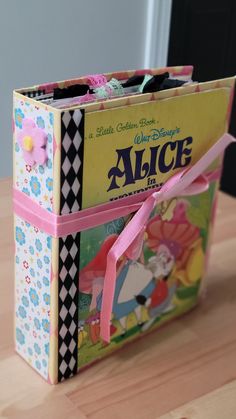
{"x":186,"y":370}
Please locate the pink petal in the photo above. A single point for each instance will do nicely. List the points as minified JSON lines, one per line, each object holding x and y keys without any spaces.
{"x":28,"y":157}
{"x":28,"y":124}
{"x":25,"y":133}
{"x":39,"y":137}
{"x":40,"y":155}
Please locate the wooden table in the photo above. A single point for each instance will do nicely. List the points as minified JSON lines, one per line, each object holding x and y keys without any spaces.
{"x":187,"y":370}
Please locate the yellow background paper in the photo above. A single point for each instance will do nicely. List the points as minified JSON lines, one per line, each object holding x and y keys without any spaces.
{"x":201,"y":115}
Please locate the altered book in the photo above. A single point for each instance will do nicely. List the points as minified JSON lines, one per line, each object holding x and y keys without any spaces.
{"x":115,"y":185}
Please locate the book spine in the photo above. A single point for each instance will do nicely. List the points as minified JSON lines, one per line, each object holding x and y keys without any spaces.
{"x":72,"y":143}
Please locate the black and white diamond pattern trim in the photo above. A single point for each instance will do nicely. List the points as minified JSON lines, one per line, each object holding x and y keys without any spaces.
{"x":72,"y":136}
{"x":72,"y":133}
{"x":34,"y":93}
{"x":68,"y":306}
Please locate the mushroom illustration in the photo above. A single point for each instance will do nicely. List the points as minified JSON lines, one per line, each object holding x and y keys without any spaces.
{"x":93,"y":323}
{"x":177,"y":235}
{"x":91,"y":277}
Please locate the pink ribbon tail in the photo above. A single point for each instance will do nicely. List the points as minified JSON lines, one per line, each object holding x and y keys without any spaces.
{"x":187,"y":182}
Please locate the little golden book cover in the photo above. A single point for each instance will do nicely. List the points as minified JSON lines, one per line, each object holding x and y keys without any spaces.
{"x":115,"y":185}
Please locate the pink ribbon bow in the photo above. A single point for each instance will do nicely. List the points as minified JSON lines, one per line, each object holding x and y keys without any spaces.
{"x":187,"y":182}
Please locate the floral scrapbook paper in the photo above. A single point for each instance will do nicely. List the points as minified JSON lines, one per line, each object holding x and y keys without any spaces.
{"x":33,"y":175}
{"x":34,"y":172}
{"x":32,"y":294}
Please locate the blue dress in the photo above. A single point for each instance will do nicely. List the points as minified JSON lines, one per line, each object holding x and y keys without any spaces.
{"x":123,"y":309}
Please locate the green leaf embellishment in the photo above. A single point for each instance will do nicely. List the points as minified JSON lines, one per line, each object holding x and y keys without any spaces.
{"x":199,"y":211}
{"x":197,"y":217}
{"x":188,"y":292}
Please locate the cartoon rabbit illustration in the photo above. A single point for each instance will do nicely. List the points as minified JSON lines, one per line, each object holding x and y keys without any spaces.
{"x":160,"y":299}
{"x":172,"y":239}
{"x":134,"y":279}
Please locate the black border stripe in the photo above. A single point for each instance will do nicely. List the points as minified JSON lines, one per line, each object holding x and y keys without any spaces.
{"x":69,"y":246}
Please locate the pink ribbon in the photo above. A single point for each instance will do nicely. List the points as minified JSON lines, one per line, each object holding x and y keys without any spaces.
{"x":187,"y":182}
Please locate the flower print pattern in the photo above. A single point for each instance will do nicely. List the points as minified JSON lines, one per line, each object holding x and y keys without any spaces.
{"x":51,"y":118}
{"x":45,"y":280}
{"x":39,"y":285}
{"x":35,"y":186}
{"x":46,"y":298}
{"x":45,"y":324}
{"x":32,"y":140}
{"x":39,"y":121}
{"x":39,"y":263}
{"x":20,"y":337}
{"x":20,"y":236}
{"x":33,"y":294}
{"x":19,"y":116}
{"x":32,"y":180}
{"x":37,"y":349}
{"x":22,"y":312}
{"x":49,"y":184}
{"x":41,"y":170}
{"x":34,"y":297}
{"x":30,"y":351}
{"x":38,"y":245}
{"x":38,"y":364}
{"x":27,"y":279}
{"x":49,"y":242}
{"x":49,"y":163}
{"x":25,"y":301}
{"x":26,"y":191}
{"x":46,"y":259}
{"x":31,"y":250}
{"x":37,"y":323}
{"x":46,"y":348}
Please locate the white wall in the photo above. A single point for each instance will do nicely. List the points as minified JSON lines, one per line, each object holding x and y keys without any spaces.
{"x":50,"y":40}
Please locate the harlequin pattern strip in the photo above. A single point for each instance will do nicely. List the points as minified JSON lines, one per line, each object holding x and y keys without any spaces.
{"x":68,"y":306}
{"x":72,"y":128}
{"x":72,"y":134}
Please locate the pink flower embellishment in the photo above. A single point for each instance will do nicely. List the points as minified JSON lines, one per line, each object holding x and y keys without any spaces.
{"x":33,"y":142}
